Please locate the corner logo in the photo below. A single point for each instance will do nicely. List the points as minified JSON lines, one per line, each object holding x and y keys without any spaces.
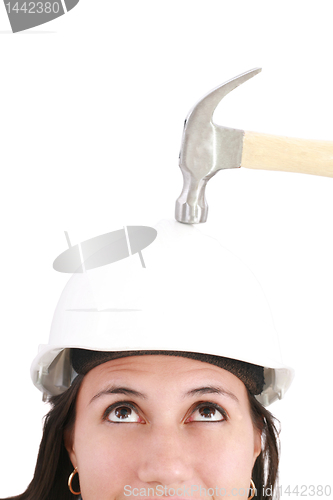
{"x":24,"y":15}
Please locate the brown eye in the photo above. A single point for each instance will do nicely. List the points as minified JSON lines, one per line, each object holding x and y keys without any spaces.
{"x":207,"y":413}
{"x":123,"y":414}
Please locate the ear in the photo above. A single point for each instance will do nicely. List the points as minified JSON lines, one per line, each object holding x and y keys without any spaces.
{"x":69,"y":445}
{"x":257,"y":445}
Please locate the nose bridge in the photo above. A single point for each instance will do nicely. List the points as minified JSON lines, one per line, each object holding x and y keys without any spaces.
{"x":165,"y":458}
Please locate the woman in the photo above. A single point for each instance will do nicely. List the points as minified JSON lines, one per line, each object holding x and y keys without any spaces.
{"x":157,"y":368}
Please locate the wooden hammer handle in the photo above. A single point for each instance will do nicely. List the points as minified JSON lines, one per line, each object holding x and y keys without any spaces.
{"x":270,"y":152}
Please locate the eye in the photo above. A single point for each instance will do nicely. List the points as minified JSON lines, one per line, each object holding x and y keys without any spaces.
{"x":207,"y":412}
{"x":122,"y":413}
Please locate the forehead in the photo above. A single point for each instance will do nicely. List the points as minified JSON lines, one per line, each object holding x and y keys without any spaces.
{"x":147,"y":373}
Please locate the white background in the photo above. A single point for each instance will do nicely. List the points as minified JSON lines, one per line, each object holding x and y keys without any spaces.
{"x":91,"y":117}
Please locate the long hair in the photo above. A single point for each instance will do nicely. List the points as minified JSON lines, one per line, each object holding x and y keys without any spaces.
{"x":265,"y":470}
{"x":53,"y":465}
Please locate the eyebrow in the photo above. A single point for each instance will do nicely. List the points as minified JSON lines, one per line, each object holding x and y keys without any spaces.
{"x":193,"y":392}
{"x":211,"y":390}
{"x":119,"y":390}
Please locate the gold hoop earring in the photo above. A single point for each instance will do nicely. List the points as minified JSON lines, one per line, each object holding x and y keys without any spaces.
{"x":70,"y":479}
{"x":253,"y":488}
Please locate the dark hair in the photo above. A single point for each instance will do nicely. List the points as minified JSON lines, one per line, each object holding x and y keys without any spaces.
{"x":265,"y":470}
{"x":53,"y":465}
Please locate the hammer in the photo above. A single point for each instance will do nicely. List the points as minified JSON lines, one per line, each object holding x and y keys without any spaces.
{"x":207,"y":148}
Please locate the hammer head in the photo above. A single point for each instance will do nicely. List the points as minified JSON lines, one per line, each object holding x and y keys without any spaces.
{"x":205,"y":149}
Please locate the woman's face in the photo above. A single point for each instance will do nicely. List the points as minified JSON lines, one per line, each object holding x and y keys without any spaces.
{"x":154,"y":426}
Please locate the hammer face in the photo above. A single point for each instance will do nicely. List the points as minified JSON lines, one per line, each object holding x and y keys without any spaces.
{"x":204,"y":152}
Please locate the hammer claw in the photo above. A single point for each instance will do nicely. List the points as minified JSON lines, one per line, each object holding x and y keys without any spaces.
{"x":205,"y":108}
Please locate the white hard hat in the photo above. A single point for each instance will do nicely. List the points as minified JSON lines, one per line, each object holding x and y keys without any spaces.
{"x":184,"y":292}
